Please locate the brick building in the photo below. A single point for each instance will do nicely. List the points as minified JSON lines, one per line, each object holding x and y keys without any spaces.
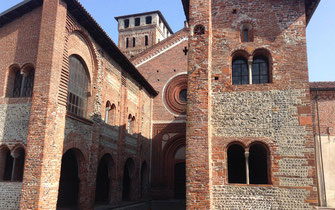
{"x":227,"y":98}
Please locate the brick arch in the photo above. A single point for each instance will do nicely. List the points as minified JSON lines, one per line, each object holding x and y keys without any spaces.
{"x":72,"y":141}
{"x":169,"y":152}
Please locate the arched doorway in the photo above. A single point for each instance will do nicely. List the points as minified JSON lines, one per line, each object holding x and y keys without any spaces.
{"x":127,"y":183}
{"x":144,"y":177}
{"x":68,"y":192}
{"x":174,"y":168}
{"x":103,"y":180}
{"x":180,"y":174}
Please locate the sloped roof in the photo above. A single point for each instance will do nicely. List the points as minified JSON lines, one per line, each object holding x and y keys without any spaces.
{"x":94,"y":29}
{"x":159,"y":47}
{"x":311,"y":6}
{"x":322,"y":86}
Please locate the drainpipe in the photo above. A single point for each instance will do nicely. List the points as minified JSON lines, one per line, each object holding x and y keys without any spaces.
{"x":322,"y":190}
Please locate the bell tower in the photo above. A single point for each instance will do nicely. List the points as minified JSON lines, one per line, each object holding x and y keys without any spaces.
{"x":140,"y":31}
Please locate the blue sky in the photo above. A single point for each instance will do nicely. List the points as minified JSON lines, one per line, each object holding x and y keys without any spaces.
{"x":320,"y":31}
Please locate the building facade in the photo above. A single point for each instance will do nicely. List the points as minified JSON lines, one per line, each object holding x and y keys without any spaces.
{"x":220,"y":113}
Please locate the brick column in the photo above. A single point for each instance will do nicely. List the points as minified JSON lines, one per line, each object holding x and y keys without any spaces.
{"x":47,"y":119}
{"x":198,"y":108}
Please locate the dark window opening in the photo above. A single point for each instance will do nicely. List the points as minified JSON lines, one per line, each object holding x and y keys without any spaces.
{"x":258,"y":164}
{"x":146,"y":40}
{"x":126,"y":23}
{"x":246,"y":35}
{"x":137,"y":21}
{"x":127,"y":42}
{"x":199,"y":30}
{"x":240,"y":71}
{"x":8,"y":167}
{"x":236,"y":164}
{"x":148,"y":20}
{"x":260,"y":70}
{"x":18,"y":165}
{"x":68,"y":191}
{"x":78,"y":88}
{"x":134,"y":42}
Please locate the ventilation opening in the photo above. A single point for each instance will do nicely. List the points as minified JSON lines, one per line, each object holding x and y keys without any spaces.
{"x":236,"y":164}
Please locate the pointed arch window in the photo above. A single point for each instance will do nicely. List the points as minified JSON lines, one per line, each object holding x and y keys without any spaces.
{"x":12,"y":164}
{"x":110,"y":113}
{"x":131,"y":124}
{"x":78,"y":87}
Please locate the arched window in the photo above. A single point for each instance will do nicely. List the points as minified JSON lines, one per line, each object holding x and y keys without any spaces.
{"x":23,"y":83}
{"x":148,"y":20}
{"x":246,"y":35}
{"x":236,"y":164}
{"x":134,"y":42}
{"x":240,"y":71}
{"x":110,"y":113}
{"x":258,"y":164}
{"x":260,"y":70}
{"x":108,"y":108}
{"x":146,"y":40}
{"x":129,"y":123}
{"x":12,"y":164}
{"x":78,"y":87}
{"x":127,"y":42}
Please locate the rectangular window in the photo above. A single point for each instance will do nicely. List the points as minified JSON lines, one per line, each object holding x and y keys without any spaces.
{"x":146,"y":40}
{"x":148,"y":20}
{"x":126,"y":23}
{"x":134,"y":42}
{"x":127,"y":42}
{"x":137,"y":21}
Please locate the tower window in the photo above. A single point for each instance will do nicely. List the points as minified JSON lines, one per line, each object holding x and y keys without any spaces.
{"x":146,"y":40}
{"x":240,"y":71}
{"x":134,"y":42}
{"x":137,"y":21}
{"x":258,"y":167}
{"x":127,"y":42}
{"x":126,"y":23}
{"x":260,"y":70}
{"x":148,"y":20}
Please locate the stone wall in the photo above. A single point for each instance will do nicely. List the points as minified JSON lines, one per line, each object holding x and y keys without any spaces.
{"x":10,"y":194}
{"x":14,"y":123}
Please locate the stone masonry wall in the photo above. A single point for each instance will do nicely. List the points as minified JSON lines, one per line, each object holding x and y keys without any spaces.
{"x":14,"y":123}
{"x":10,"y":194}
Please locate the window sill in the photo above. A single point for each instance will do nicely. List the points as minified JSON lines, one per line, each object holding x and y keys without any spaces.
{"x":249,"y":185}
{"x":80,"y":119}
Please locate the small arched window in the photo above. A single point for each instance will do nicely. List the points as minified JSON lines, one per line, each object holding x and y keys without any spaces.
{"x":127,"y":42}
{"x":78,"y":87}
{"x":134,"y":42}
{"x":12,"y":164}
{"x":131,"y":124}
{"x":24,"y":83}
{"x":258,"y":164}
{"x":108,"y":108}
{"x":260,"y":70}
{"x":246,"y":35}
{"x":148,"y":20}
{"x":240,"y":73}
{"x":146,"y":40}
{"x":236,"y":164}
{"x":110,"y":113}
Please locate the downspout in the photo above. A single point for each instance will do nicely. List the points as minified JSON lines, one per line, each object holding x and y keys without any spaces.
{"x":322,"y":191}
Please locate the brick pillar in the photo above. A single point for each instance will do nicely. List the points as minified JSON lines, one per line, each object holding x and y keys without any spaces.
{"x":47,"y":119}
{"x":198,"y":108}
